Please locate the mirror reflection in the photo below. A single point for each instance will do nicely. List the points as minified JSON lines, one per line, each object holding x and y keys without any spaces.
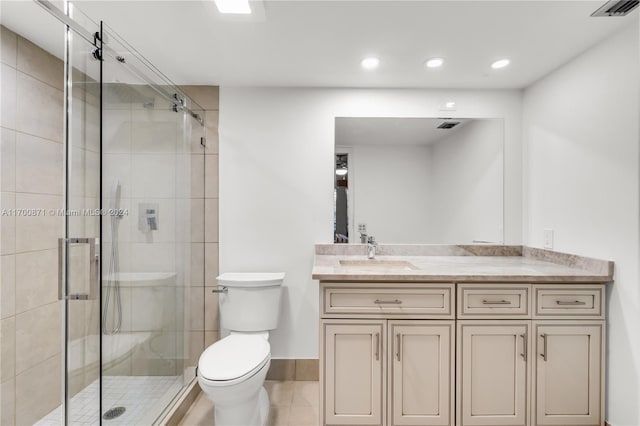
{"x":419,"y":180}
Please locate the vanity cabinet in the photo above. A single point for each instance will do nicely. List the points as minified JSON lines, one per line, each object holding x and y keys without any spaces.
{"x":381,"y":365}
{"x":493,"y":370}
{"x":568,"y":382}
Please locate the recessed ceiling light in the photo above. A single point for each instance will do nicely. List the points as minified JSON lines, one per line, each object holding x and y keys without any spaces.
{"x":434,"y":63}
{"x":234,"y":6}
{"x":370,"y":63}
{"x":501,"y":63}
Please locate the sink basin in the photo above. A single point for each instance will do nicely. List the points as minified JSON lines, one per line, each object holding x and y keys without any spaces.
{"x":378,"y":265}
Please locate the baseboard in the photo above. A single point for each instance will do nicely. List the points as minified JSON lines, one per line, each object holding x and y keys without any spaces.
{"x":294,"y":369}
{"x":177,"y":413}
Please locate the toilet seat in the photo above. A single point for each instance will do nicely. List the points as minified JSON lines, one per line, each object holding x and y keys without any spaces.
{"x":234,"y":359}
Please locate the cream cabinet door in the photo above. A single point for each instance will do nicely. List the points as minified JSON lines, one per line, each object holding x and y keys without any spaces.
{"x":421,"y":368}
{"x":492,"y":373}
{"x":354,"y":359}
{"x":568,"y":373}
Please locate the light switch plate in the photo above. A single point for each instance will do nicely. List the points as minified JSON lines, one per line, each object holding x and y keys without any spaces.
{"x":548,"y":239}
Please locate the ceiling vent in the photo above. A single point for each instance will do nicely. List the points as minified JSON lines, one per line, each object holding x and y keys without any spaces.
{"x":448,"y":125}
{"x":616,"y":8}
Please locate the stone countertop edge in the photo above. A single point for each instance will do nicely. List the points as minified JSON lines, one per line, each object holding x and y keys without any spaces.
{"x":583,"y":269}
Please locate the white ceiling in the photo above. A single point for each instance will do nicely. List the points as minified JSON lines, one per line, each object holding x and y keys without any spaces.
{"x":392,"y":131}
{"x":321,"y":43}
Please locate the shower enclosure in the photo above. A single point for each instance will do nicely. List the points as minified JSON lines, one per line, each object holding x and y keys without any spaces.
{"x":132,"y":145}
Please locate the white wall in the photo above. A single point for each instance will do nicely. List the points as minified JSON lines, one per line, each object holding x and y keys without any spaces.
{"x":276,"y":180}
{"x":467,"y":174}
{"x":581,"y":141}
{"x":390,"y":187}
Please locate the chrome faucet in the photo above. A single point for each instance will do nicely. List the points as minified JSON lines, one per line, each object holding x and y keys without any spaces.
{"x":371,"y":247}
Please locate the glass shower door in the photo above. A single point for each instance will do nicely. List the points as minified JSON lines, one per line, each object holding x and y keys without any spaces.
{"x":80,"y":247}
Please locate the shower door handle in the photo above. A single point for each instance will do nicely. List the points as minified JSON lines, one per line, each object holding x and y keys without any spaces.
{"x":94,"y":261}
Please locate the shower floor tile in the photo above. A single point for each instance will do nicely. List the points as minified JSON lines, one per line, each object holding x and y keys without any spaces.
{"x":144,"y":398}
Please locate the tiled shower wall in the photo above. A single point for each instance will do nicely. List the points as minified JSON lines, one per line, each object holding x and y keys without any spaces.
{"x":32,"y":177}
{"x":204,"y":237}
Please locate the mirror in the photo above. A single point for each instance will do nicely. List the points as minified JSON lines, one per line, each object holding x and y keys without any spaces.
{"x":419,"y":180}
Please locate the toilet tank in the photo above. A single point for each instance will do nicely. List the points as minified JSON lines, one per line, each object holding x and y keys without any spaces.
{"x":251,"y":301}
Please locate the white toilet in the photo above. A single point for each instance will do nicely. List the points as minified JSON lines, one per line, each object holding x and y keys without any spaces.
{"x":231,"y":372}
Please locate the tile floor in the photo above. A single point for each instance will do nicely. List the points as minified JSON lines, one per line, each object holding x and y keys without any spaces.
{"x":143,"y":396}
{"x":292,"y":404}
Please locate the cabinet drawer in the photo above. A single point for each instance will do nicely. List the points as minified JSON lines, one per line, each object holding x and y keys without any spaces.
{"x":483,"y":301}
{"x":569,"y":301}
{"x":395,"y":301}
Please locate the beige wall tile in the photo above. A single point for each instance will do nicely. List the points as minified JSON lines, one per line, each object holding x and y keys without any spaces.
{"x":8,"y":160}
{"x":197,"y":264}
{"x":211,"y":310}
{"x":38,"y":391}
{"x":8,"y":48}
{"x":211,"y":125}
{"x":116,"y":130}
{"x":307,"y":369}
{"x":156,"y":257}
{"x":153,"y":176}
{"x":210,"y":337}
{"x":37,"y":273}
{"x":38,"y":335}
{"x":9,"y":93}
{"x":154,"y":131}
{"x":40,"y":64}
{"x":197,"y":176}
{"x":39,"y":165}
{"x":8,"y":286}
{"x":196,"y":308}
{"x":211,"y":270}
{"x":196,"y":346}
{"x":197,"y":220}
{"x":211,"y":176}
{"x":7,"y":224}
{"x":207,"y":97}
{"x":38,"y":232}
{"x":84,"y":175}
{"x":282,"y":369}
{"x":8,"y":403}
{"x":211,"y":220}
{"x":7,"y":349}
{"x":45,"y":122}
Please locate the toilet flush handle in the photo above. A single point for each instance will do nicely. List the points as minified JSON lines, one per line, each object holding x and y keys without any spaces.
{"x":220,"y":290}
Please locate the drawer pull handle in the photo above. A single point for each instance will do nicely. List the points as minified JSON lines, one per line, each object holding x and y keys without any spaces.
{"x":496,"y":302}
{"x":570,"y":302}
{"x":544,"y":346}
{"x":399,"y":337}
{"x":387,"y":302}
{"x":377,"y":346}
{"x":524,"y":347}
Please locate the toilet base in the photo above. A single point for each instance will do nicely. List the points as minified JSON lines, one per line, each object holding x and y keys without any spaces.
{"x":250,"y":412}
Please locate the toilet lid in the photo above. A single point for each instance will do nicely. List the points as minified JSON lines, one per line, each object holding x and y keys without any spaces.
{"x":234,"y":356}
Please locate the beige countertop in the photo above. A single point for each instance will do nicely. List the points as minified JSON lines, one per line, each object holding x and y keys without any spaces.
{"x":480,"y":264}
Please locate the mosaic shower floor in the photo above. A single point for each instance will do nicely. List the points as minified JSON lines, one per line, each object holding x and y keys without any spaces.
{"x":144,"y":398}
